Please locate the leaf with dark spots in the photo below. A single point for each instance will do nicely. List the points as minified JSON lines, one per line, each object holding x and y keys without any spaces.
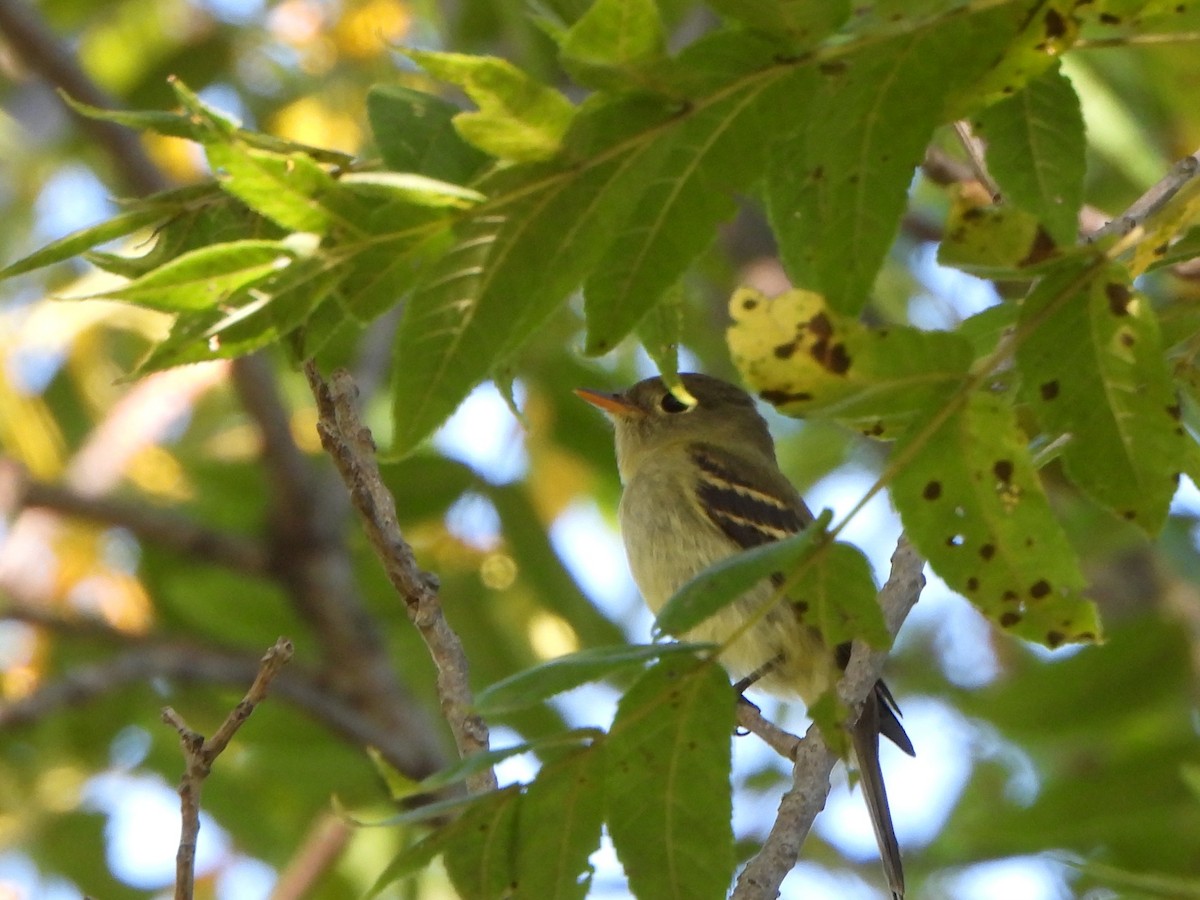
{"x":1119,"y":297}
{"x":984,"y":551}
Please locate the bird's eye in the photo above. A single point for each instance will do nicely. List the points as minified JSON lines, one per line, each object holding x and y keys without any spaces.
{"x":672,"y":404}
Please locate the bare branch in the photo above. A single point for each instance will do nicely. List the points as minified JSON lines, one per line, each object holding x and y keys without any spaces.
{"x":199,"y":755}
{"x":319,"y":850}
{"x":155,"y":526}
{"x":415,"y":753}
{"x":974,"y":148}
{"x":1182,"y":174}
{"x":352,"y":448}
{"x":750,"y":717}
{"x":42,"y":51}
{"x":814,"y":760}
{"x":310,"y":558}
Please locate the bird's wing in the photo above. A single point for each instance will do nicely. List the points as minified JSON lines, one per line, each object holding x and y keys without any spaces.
{"x":751,"y":505}
{"x":757,"y":505}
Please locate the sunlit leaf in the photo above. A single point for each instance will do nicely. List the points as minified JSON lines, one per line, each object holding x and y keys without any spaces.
{"x":202,"y":278}
{"x":518,"y":118}
{"x":807,"y":359}
{"x":615,"y":44}
{"x":77,"y":242}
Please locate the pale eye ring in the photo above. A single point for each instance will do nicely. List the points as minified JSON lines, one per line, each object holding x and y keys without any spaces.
{"x":672,"y":404}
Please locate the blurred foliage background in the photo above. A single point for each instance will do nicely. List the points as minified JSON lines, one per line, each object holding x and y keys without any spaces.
{"x":157,"y":536}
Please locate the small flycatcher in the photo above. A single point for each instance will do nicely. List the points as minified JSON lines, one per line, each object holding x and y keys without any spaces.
{"x":700,"y":483}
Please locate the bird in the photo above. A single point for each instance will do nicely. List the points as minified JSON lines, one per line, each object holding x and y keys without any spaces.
{"x":700,"y":482}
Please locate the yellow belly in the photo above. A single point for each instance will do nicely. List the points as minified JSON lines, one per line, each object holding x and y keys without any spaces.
{"x":674,"y":543}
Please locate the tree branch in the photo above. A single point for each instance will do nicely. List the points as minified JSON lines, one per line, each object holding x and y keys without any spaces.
{"x":319,"y":850}
{"x":352,"y":448}
{"x":1184,"y":172}
{"x":814,"y":761}
{"x":41,"y":51}
{"x":415,"y":753}
{"x":199,"y":755}
{"x":155,"y":526}
{"x":307,"y":553}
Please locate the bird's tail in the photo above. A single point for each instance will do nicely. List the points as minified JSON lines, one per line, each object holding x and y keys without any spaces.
{"x":878,"y":716}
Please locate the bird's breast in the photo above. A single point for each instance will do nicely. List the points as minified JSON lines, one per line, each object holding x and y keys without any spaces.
{"x":669,"y":542}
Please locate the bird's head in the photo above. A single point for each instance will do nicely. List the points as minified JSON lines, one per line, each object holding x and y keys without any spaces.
{"x":648,"y":419}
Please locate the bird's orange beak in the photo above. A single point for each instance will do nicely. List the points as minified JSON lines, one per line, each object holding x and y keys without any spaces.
{"x":611,"y":404}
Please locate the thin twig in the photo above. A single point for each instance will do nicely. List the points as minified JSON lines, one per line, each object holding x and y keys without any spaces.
{"x":814,"y":760}
{"x":199,"y":755}
{"x":783,"y":742}
{"x":1165,"y":37}
{"x":352,"y":448}
{"x":417,"y":754}
{"x":1158,"y":196}
{"x":319,"y":850}
{"x":975,"y":154}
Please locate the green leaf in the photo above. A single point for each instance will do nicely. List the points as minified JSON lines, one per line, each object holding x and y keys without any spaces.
{"x":481,"y":859}
{"x":203,"y":278}
{"x":1093,"y":369}
{"x":809,"y":360}
{"x":291,"y":190}
{"x":194,"y":221}
{"x":667,"y":789}
{"x":381,"y":272}
{"x":298,"y":290}
{"x":417,"y":189}
{"x":411,"y":860}
{"x":1036,"y":34}
{"x":481,"y":762}
{"x":803,"y":22}
{"x":212,"y":334}
{"x":544,"y":681}
{"x":210,"y":122}
{"x":245,"y":322}
{"x":518,"y":119}
{"x":490,"y":818}
{"x":415,"y":133}
{"x":78,"y":241}
{"x":171,"y":124}
{"x":972,"y":504}
{"x":831,"y":715}
{"x":615,"y":44}
{"x":1035,"y":151}
{"x":722,"y":583}
{"x":478,"y":303}
{"x":995,"y":241}
{"x":837,"y":186}
{"x":715,"y":151}
{"x":659,"y":332}
{"x":559,"y":827}
{"x":837,"y":594}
